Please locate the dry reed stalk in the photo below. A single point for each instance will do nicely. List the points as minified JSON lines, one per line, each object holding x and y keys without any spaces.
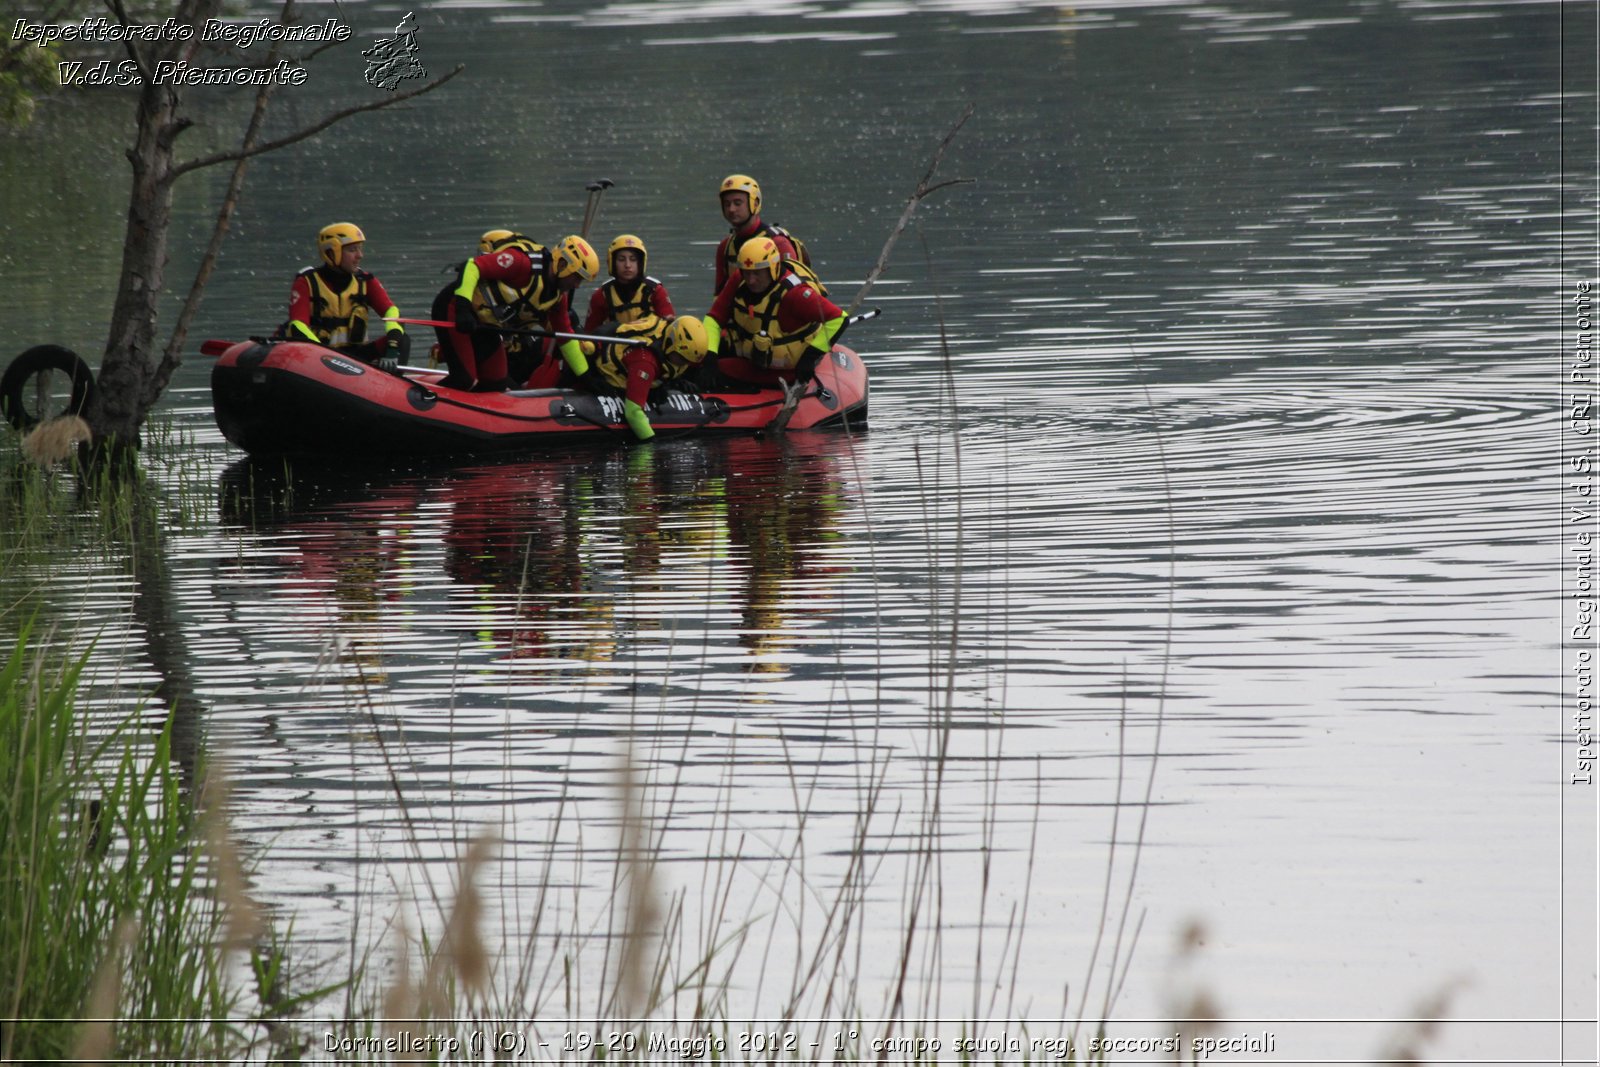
{"x":461,"y":953}
{"x":244,"y":924}
{"x":1114,"y":980}
{"x":527,"y":989}
{"x":402,"y":1008}
{"x":400,"y":999}
{"x":1408,"y":1043}
{"x":97,"y":1041}
{"x":56,"y":441}
{"x":1191,"y":1002}
{"x":408,"y":1005}
{"x":633,"y":992}
{"x":927,"y":883}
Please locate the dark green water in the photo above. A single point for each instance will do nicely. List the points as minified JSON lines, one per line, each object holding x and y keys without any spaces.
{"x":1255,"y":322}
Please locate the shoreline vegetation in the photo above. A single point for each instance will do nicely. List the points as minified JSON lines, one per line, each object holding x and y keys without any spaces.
{"x":108,"y":911}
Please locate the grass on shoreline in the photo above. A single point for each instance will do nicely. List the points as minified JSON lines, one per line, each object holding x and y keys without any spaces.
{"x":105,"y":910}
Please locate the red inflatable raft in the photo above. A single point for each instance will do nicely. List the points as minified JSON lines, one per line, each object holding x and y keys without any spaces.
{"x":297,"y":398}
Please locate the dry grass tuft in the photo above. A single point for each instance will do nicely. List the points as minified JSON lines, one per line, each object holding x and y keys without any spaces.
{"x":56,"y":441}
{"x":461,"y":960}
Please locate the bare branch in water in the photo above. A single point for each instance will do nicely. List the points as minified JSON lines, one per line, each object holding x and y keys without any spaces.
{"x":922,"y":190}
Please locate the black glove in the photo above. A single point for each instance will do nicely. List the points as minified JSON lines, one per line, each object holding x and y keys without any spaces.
{"x":806,"y":369}
{"x":389,"y":353}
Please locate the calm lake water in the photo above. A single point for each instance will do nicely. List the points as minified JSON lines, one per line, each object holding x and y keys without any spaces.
{"x":1215,"y":461}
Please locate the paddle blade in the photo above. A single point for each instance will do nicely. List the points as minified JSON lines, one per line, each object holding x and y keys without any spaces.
{"x":214,"y":347}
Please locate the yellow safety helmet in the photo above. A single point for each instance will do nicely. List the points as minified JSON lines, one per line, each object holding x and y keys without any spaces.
{"x":760,"y":254}
{"x":574,"y":255}
{"x":742,"y":183}
{"x":626,"y":241}
{"x":332,"y":239}
{"x":686,"y":338}
{"x":495,"y":240}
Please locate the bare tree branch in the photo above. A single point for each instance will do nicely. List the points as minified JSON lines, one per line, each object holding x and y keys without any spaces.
{"x":311,"y":131}
{"x":135,"y":53}
{"x":951,"y":181}
{"x":171,"y":356}
{"x":921,"y":191}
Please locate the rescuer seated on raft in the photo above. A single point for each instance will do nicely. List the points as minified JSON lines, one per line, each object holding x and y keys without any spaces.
{"x":649,"y":352}
{"x":629,"y":294}
{"x":512,"y":285}
{"x":740,"y":196}
{"x":329,"y":303}
{"x":773,"y":317}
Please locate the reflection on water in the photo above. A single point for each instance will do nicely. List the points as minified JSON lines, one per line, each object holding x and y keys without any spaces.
{"x":1312,"y":249}
{"x":558,"y":558}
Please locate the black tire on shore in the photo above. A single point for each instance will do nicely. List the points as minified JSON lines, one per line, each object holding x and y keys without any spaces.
{"x":37,"y":360}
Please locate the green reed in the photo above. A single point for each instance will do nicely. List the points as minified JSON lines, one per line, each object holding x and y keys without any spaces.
{"x":111,"y":940}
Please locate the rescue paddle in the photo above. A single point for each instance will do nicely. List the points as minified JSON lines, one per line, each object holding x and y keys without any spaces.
{"x":591,"y":207}
{"x":796,"y":391}
{"x":599,"y":339}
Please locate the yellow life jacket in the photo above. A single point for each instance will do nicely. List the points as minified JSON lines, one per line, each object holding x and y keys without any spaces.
{"x":755,"y":332}
{"x":648,"y":332}
{"x":630,"y":309}
{"x":499,"y":304}
{"x":802,"y":255}
{"x":338,"y":317}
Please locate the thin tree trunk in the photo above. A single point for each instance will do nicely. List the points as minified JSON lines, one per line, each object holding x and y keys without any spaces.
{"x":131,"y":341}
{"x":127,"y":376}
{"x":172,"y":356}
